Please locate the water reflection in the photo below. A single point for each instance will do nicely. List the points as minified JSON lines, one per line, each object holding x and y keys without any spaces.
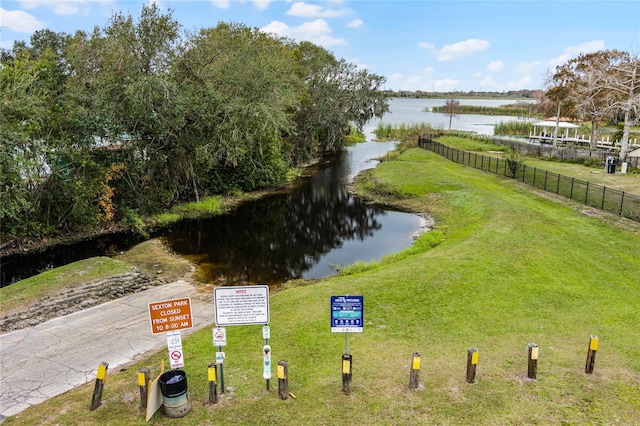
{"x":304,"y":233}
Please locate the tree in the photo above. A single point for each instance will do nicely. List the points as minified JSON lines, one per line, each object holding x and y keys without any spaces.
{"x":600,"y":84}
{"x":336,"y":94}
{"x":451,"y":109}
{"x":623,"y":82}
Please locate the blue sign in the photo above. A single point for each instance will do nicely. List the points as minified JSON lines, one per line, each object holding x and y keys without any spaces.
{"x":347,"y":314}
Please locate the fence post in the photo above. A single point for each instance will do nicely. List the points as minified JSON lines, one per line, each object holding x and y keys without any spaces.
{"x":283,"y":379}
{"x":414,"y":377}
{"x":591,"y":354}
{"x":571,"y":192}
{"x":101,"y":376}
{"x":143,"y":382}
{"x":546,"y":175}
{"x":586,"y":194}
{"x":621,"y":203}
{"x":604,"y":190}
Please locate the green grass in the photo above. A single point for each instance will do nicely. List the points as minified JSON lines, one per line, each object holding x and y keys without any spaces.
{"x":52,"y":281}
{"x":504,"y":268}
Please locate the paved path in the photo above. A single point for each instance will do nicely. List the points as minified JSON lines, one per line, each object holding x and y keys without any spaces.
{"x":43,"y":361}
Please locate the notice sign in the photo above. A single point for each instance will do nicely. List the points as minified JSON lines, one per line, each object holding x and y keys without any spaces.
{"x":171,"y":315}
{"x":347,"y":314}
{"x":241,"y":305}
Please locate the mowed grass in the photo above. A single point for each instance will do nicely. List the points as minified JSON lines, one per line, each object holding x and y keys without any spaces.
{"x":507,"y":268}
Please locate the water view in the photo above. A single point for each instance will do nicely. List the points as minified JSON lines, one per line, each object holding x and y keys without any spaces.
{"x":309,"y":231}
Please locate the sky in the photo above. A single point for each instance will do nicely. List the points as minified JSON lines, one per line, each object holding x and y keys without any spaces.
{"x":427,"y":45}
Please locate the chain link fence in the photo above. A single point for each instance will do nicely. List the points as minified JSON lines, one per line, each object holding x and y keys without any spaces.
{"x":600,"y":197}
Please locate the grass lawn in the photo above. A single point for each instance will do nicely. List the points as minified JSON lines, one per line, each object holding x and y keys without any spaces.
{"x":505,"y":267}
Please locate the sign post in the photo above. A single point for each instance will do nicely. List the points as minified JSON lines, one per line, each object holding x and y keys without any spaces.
{"x":347,"y":316}
{"x":220,"y":340}
{"x":243,"y":305}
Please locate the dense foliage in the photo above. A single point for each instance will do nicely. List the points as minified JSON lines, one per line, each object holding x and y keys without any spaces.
{"x":137,"y":116}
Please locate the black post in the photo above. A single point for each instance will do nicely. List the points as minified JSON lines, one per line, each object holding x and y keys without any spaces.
{"x":283,"y":379}
{"x":221,"y":373}
{"x":346,"y":373}
{"x":143,"y":382}
{"x":591,"y":354}
{"x":414,"y":377}
{"x":532,"y":369}
{"x":472,"y":362}
{"x":213,"y":383}
{"x":101,"y":376}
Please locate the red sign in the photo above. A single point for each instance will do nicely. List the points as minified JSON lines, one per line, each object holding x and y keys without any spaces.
{"x":170,"y":315}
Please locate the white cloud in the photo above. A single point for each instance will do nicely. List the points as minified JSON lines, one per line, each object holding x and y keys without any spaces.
{"x":317,"y":32}
{"x":524,"y":67}
{"x":19,"y":21}
{"x":414,"y":80}
{"x":63,"y":7}
{"x":445,"y":85}
{"x":428,"y":70}
{"x":571,"y":52}
{"x":395,"y":76}
{"x":356,"y":23}
{"x":495,"y":66}
{"x":462,"y":49}
{"x":262,"y":4}
{"x":426,"y":45}
{"x":523,"y":83}
{"x":221,"y":4}
{"x":306,"y":10}
{"x":489,"y":83}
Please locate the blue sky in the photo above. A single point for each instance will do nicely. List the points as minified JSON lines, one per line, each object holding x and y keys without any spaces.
{"x":417,"y":45}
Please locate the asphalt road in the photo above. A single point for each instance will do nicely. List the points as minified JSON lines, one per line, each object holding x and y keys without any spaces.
{"x":46,"y":360}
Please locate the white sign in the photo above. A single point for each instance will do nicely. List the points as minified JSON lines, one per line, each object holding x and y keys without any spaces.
{"x":219,"y":357}
{"x":219,"y":336}
{"x":174,"y":343}
{"x":266,"y":332}
{"x":241,"y":305}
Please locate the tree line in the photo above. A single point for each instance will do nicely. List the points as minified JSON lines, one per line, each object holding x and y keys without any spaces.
{"x":139,"y":115}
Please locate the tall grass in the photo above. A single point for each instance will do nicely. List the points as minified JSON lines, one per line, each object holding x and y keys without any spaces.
{"x":403,"y":131}
{"x":514,"y":128}
{"x":516,"y":110}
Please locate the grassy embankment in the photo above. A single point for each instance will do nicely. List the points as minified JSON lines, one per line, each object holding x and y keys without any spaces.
{"x":504,"y":268}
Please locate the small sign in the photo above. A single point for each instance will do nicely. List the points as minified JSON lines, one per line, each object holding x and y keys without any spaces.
{"x":174,"y":343}
{"x":347,"y":314}
{"x":247,"y":305}
{"x":266,"y":332}
{"x":170,"y":315}
{"x":219,"y":357}
{"x":219,"y":336}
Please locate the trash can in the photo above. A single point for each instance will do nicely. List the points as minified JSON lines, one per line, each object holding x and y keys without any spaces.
{"x":175,"y":397}
{"x":610,"y":165}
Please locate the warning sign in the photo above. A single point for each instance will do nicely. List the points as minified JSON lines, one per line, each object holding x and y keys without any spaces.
{"x":170,"y":315}
{"x":174,"y":343}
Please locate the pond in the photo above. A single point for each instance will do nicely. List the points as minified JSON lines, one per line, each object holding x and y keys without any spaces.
{"x":308,"y":232}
